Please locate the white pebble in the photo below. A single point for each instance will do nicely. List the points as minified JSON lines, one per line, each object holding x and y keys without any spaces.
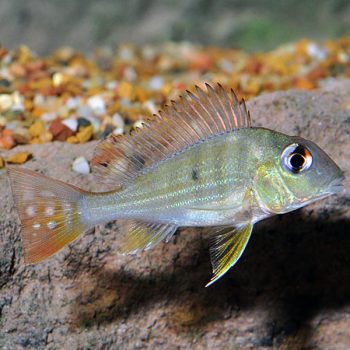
{"x":81,"y":165}
{"x":111,"y":85}
{"x":316,"y":52}
{"x":97,"y":104}
{"x":71,"y":123}
{"x":118,"y":131}
{"x":39,"y":100}
{"x":6,"y":102}
{"x":118,"y":121}
{"x":48,"y":117}
{"x":156,"y":83}
{"x":84,"y":112}
{"x":73,"y":102}
{"x":130,"y":74}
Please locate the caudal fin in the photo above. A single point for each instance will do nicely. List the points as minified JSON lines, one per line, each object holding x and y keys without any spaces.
{"x":49,"y":213}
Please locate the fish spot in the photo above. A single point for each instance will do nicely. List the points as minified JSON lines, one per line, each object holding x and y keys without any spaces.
{"x":36,"y":226}
{"x":49,"y":211}
{"x":52,"y":224}
{"x":66,"y":206}
{"x":195,"y":174}
{"x":31,"y":210}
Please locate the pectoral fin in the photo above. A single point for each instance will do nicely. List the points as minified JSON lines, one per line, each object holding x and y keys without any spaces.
{"x":228,"y":246}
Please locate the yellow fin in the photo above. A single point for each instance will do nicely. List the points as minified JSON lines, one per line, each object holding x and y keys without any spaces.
{"x":227,"y":248}
{"x":49,"y":214}
{"x":138,"y":235}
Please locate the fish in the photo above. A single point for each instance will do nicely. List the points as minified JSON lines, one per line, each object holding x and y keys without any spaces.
{"x":198,"y":163}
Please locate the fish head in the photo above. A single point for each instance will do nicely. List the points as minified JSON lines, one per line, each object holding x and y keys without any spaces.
{"x":299,"y":174}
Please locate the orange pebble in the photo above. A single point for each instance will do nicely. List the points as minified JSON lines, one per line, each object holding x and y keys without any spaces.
{"x":7,"y":142}
{"x":7,"y":132}
{"x":303,"y":84}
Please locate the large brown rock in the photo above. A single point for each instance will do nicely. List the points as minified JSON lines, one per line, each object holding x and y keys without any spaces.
{"x":290,"y":290}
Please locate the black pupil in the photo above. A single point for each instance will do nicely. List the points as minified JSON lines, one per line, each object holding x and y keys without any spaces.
{"x":297,"y":161}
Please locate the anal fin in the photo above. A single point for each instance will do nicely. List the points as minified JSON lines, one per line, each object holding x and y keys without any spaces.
{"x":228,"y":246}
{"x":139,"y":235}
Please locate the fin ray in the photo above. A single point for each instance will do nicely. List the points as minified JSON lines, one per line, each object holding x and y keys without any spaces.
{"x":49,"y":213}
{"x":191,"y":119}
{"x":228,"y":246}
{"x":138,"y":235}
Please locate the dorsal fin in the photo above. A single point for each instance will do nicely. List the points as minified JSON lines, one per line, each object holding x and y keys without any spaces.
{"x":193,"y":118}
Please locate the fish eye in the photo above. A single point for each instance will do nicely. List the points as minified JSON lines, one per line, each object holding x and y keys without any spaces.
{"x":296,"y":158}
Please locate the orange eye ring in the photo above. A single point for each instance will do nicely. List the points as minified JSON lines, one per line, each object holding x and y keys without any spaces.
{"x":296,"y":158}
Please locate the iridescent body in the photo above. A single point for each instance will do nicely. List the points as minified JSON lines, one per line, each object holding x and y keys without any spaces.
{"x":208,"y":167}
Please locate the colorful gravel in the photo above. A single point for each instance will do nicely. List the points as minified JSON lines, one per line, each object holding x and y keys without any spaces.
{"x":70,"y":97}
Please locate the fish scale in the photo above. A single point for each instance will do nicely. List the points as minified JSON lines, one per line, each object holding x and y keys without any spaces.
{"x":218,"y":179}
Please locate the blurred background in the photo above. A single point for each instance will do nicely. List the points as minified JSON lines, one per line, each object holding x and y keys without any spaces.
{"x":250,"y":24}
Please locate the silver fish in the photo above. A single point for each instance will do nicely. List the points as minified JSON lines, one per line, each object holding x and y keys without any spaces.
{"x":199,"y":163}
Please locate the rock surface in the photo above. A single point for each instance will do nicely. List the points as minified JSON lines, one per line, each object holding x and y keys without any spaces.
{"x":290,"y":290}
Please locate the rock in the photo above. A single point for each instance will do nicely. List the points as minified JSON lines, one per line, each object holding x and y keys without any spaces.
{"x":118,"y":121}
{"x":6,"y":142}
{"x":85,"y":134}
{"x":71,"y":123}
{"x":60,"y":131}
{"x":290,"y":289}
{"x":97,"y":105}
{"x":81,"y":165}
{"x":156,"y":83}
{"x":37,"y":128}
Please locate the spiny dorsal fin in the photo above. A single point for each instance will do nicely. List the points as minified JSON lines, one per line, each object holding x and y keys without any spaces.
{"x":137,"y":235}
{"x":193,"y":118}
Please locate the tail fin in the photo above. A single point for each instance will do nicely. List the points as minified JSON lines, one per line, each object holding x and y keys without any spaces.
{"x":49,"y":213}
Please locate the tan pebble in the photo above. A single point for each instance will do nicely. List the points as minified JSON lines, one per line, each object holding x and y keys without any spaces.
{"x":21,"y":136}
{"x":125,"y":90}
{"x":17,"y":70}
{"x":35,"y":141}
{"x":72,"y":139}
{"x":38,"y":112}
{"x":46,"y":137}
{"x":37,"y":128}
{"x":85,"y":134}
{"x":19,"y":158}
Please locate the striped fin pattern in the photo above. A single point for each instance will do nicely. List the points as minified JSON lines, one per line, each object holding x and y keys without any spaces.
{"x":137,"y":236}
{"x":227,"y":247}
{"x":49,"y":213}
{"x":192,"y":119}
